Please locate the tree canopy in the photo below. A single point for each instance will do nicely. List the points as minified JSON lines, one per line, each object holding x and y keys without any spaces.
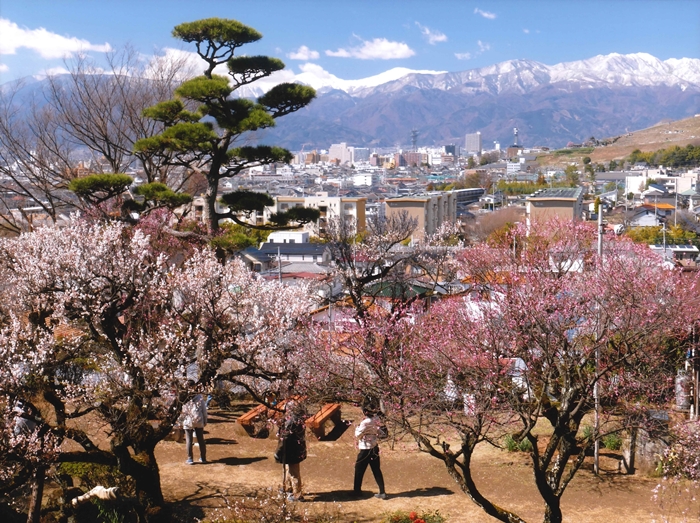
{"x":207,"y":118}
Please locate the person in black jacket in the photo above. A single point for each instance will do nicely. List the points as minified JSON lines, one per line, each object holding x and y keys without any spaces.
{"x":291,"y":448}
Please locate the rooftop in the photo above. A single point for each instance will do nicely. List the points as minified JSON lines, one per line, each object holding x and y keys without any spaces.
{"x":568,"y":193}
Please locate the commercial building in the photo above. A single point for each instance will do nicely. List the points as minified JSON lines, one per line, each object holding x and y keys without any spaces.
{"x":472,"y":143}
{"x":340,"y":152}
{"x":413,"y":159}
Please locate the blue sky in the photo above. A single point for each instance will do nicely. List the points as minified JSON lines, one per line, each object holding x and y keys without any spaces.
{"x":359,"y":38}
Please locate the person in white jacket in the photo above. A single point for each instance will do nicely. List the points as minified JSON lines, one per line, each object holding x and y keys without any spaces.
{"x":366,"y":434}
{"x":194,"y":418}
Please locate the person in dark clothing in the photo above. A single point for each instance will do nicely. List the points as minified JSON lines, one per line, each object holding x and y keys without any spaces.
{"x":367,"y":434}
{"x":291,"y":449}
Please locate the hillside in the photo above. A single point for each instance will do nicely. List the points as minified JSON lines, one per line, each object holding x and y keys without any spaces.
{"x":659,"y":136}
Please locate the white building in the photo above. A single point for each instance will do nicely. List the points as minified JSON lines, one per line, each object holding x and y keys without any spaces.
{"x":349,"y":209}
{"x":288,"y":237}
{"x":513,"y":168}
{"x":341,"y":152}
{"x":364,"y":179}
{"x":472,"y":143}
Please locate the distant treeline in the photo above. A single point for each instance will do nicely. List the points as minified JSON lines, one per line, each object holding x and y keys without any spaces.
{"x":675,"y":156}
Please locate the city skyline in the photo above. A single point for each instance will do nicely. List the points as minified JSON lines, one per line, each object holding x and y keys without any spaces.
{"x":355,"y":40}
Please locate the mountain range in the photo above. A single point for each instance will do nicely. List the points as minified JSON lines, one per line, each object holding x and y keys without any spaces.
{"x":603,"y":96}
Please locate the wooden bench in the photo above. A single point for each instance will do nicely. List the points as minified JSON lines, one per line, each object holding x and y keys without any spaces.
{"x":252,"y":419}
{"x":329,"y":411}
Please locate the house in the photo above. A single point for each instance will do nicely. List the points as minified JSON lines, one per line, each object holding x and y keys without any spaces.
{"x":683,"y":254}
{"x":563,"y":202}
{"x":649,"y":216}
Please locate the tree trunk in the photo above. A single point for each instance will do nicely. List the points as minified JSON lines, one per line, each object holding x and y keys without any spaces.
{"x":552,"y":511}
{"x":145,"y":474}
{"x":466,"y":483}
{"x":34,"y":512}
{"x":209,"y":217}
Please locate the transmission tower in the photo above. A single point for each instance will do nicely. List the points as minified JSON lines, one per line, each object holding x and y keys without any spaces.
{"x":414,"y":138}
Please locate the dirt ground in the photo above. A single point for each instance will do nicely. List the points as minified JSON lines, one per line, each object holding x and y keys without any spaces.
{"x":240,"y":465}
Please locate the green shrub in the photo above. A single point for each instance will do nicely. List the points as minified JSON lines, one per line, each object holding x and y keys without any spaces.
{"x":513,"y":446}
{"x":91,"y":474}
{"x":108,"y":513}
{"x":587,"y":432}
{"x":613,"y":441}
{"x":510,"y":443}
{"x":525,"y":446}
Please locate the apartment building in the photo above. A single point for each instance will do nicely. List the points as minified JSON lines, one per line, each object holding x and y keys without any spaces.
{"x":429,"y":210}
{"x":350,"y":209}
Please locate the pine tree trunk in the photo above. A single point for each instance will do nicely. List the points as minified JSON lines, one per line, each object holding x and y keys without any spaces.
{"x":37,"y":494}
{"x":209,"y":217}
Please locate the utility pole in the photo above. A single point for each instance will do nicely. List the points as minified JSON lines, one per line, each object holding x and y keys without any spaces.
{"x":596,"y":395}
{"x":675,"y":210}
{"x":279,"y":265}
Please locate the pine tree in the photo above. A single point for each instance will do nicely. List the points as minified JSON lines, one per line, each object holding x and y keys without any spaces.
{"x":204,"y":122}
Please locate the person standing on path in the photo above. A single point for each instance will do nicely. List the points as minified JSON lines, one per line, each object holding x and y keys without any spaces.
{"x":194,"y":418}
{"x":367,"y":433}
{"x":291,"y":449}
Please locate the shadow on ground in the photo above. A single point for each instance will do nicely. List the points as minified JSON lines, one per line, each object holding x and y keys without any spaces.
{"x":233,"y":461}
{"x":221,"y":441}
{"x":348,"y":495}
{"x":337,"y":431}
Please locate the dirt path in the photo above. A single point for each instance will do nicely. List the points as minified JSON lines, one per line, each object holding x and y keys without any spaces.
{"x":240,"y":465}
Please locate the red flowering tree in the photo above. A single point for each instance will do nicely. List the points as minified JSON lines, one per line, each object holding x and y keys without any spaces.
{"x":541,"y":326}
{"x":96,"y":326}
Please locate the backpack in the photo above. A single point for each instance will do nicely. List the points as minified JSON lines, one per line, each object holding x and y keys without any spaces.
{"x":382,"y":430}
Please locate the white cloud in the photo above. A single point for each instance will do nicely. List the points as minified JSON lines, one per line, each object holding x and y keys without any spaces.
{"x":483,"y":46}
{"x":52,"y":71}
{"x":526,"y":31}
{"x":433,"y":36}
{"x":485,"y":14}
{"x":303,"y":53}
{"x":4,"y":68}
{"x":47,"y":44}
{"x":190,"y":64}
{"x":317,"y":77}
{"x":377,"y":49}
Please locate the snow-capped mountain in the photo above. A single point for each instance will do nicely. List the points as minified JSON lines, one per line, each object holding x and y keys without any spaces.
{"x":602,"y":96}
{"x":615,"y":70}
